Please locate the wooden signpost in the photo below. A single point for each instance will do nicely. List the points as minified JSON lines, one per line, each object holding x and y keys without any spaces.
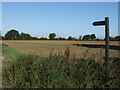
{"x":99,"y":23}
{"x":106,"y":23}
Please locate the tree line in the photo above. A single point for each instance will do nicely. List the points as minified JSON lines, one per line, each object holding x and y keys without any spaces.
{"x":15,"y":35}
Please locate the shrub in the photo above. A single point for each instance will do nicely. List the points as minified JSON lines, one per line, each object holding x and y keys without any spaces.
{"x":30,"y":71}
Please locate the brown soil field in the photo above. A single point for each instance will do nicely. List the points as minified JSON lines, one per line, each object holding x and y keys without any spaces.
{"x":47,"y":47}
{"x":116,"y":43}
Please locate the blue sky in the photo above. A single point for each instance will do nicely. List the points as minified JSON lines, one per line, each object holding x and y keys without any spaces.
{"x":63,"y":18}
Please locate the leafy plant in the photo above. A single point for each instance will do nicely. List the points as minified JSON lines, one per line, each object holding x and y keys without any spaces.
{"x":31,"y":71}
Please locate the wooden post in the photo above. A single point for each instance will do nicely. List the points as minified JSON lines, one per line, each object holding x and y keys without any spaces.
{"x":107,"y":41}
{"x":106,"y":23}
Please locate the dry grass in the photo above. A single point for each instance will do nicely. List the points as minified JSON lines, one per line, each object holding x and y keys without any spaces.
{"x":44,"y":48}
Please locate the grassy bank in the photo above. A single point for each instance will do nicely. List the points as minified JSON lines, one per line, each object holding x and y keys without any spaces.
{"x":9,"y":52}
{"x":59,"y":71}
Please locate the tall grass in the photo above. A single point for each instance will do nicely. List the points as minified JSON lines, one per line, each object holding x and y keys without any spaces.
{"x":31,"y":71}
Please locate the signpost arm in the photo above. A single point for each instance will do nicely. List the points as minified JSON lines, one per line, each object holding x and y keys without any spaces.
{"x":107,"y":41}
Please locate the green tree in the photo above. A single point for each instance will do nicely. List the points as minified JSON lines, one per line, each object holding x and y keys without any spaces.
{"x":12,"y":35}
{"x":34,"y":38}
{"x":87,"y":37}
{"x":93,"y":37}
{"x":25,"y":36}
{"x":52,"y":36}
{"x":111,"y":38}
{"x":60,"y":38}
{"x":43,"y":38}
{"x":97,"y":39}
{"x":80,"y":37}
{"x":0,"y":37}
{"x":117,"y":38}
{"x":70,"y":38}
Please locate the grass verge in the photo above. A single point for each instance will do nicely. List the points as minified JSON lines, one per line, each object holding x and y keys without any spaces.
{"x":9,"y":52}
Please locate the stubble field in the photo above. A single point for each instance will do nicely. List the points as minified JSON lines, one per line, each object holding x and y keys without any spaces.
{"x":45,"y":48}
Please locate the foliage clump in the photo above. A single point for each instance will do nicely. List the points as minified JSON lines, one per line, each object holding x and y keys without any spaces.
{"x":30,"y":71}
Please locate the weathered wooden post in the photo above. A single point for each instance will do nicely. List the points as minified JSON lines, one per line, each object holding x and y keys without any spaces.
{"x":106,"y":23}
{"x":107,"y":41}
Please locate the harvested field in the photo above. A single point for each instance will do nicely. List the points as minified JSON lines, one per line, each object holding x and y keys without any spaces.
{"x":45,"y":48}
{"x":117,"y":43}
